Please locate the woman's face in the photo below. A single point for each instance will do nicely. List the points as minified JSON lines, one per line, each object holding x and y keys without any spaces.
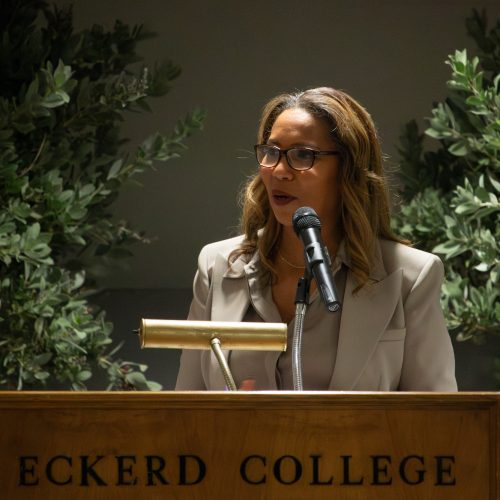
{"x":318,"y":187}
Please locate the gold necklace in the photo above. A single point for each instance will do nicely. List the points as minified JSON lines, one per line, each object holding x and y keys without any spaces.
{"x":289,"y":263}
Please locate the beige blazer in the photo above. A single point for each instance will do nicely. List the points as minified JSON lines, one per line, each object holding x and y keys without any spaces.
{"x":392,"y":335}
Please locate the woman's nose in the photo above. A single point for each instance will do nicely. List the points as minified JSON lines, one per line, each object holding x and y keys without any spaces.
{"x":282,"y":170}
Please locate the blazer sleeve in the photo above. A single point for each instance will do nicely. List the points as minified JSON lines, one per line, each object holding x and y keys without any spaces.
{"x":190,"y":377}
{"x":429,"y":362}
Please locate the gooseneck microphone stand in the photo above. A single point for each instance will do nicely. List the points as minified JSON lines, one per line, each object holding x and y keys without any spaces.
{"x":307,"y":226}
{"x":301,"y":302}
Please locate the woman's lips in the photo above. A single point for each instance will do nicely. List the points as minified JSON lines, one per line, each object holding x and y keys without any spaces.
{"x":282,"y":198}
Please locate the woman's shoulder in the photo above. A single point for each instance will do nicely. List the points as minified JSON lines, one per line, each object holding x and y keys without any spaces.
{"x":223,"y":247}
{"x":411,"y":260}
{"x":216,"y":257}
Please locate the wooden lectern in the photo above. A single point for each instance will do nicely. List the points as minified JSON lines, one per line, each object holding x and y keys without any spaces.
{"x":268,"y":445}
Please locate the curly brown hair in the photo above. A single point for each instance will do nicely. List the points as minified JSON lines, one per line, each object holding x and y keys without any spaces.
{"x":365,"y":208}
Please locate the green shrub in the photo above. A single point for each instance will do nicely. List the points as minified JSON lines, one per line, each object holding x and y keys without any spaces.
{"x":451,"y":192}
{"x":62,"y":99}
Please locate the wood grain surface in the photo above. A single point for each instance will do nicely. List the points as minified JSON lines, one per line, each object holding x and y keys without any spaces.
{"x":102,"y":445}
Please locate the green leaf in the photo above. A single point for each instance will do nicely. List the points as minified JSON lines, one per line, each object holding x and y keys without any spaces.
{"x":449,"y":221}
{"x":474,"y":101}
{"x":154,"y":386}
{"x":461,"y":57}
{"x":43,"y":359}
{"x":77,"y":212}
{"x":79,"y":279}
{"x":84,"y":375}
{"x":82,"y":335}
{"x":86,"y":190}
{"x":482,"y":267}
{"x":7,"y":227}
{"x":66,"y":196}
{"x":115,"y":169}
{"x":435,"y":134}
{"x":55,"y":100}
{"x":449,"y":248}
{"x":137,"y":380}
{"x":33,"y":231}
{"x":62,"y":74}
{"x":494,"y":182}
{"x":482,"y":194}
{"x":465,"y":208}
{"x":458,"y":149}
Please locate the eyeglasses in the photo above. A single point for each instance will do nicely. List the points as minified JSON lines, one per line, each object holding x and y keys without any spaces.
{"x":297,"y":158}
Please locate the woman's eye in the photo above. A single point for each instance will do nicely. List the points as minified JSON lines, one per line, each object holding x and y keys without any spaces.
{"x":303,"y":154}
{"x":272,"y":152}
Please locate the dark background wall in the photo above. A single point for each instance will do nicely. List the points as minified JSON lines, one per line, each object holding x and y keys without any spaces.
{"x":389,"y":54}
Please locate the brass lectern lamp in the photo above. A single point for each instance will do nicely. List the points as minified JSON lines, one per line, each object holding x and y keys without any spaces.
{"x":215,"y":335}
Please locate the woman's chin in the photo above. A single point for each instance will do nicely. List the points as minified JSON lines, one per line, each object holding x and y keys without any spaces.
{"x":284,"y":214}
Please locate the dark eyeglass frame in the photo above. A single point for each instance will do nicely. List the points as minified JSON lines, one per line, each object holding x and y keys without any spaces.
{"x":285,"y":152}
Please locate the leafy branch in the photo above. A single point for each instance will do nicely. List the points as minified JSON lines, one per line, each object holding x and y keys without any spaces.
{"x":451,"y":193}
{"x":62,"y":99}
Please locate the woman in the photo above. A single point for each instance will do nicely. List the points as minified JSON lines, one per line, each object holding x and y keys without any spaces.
{"x":319,"y":149}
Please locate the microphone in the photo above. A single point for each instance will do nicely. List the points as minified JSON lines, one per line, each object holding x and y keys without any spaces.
{"x":308,"y":228}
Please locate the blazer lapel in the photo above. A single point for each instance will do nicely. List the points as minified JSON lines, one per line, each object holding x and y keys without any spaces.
{"x":230,"y":290}
{"x":229,"y":303}
{"x":365,"y":317}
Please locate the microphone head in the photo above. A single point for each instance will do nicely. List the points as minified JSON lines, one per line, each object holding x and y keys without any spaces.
{"x":305,"y":217}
